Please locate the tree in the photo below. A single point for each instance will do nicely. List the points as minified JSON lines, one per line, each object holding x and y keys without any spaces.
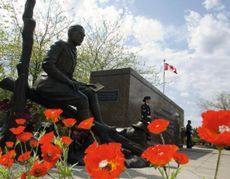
{"x":220,"y":101}
{"x":104,"y":49}
{"x":51,"y":24}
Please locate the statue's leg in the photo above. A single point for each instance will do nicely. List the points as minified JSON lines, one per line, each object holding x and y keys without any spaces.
{"x":94,"y":104}
{"x":72,"y":98}
{"x":81,"y":102}
{"x":82,"y":105}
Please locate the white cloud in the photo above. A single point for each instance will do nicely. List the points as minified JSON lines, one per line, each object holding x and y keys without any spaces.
{"x":206,"y":68}
{"x":147,"y":30}
{"x":213,"y":4}
{"x":209,"y":34}
{"x":185,"y":94}
{"x":103,"y":1}
{"x":204,"y":76}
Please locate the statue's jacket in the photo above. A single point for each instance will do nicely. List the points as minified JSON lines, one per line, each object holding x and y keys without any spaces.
{"x":58,"y":68}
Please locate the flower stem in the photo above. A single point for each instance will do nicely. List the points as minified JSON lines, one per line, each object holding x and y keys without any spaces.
{"x":162,"y":139}
{"x":166,"y":174}
{"x":50,"y":175}
{"x":161,"y":172}
{"x":218,"y":163}
{"x":21,"y":147}
{"x":56,"y":129}
{"x":91,"y":132}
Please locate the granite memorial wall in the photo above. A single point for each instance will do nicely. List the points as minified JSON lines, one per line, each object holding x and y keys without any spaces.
{"x":121,"y":100}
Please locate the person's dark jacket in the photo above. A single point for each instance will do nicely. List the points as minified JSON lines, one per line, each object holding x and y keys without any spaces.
{"x":145,"y":112}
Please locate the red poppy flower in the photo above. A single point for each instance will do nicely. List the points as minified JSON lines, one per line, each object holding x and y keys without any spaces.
{"x":53,"y":114}
{"x":33,"y":143}
{"x":51,"y":153}
{"x":38,"y":169}
{"x":12,"y":153}
{"x":69,"y":122}
{"x":17,"y":130}
{"x":48,"y":165}
{"x":157,"y":126}
{"x":180,"y":158}
{"x":86,"y":124}
{"x":20,"y":121}
{"x":47,"y":138}
{"x":9,"y":144}
{"x":24,"y":175}
{"x":66,"y":140}
{"x":215,"y":127}
{"x":159,"y":155}
{"x":105,"y":161}
{"x":91,"y":147}
{"x":25,"y":136}
{"x":24,"y":156}
{"x":7,"y":159}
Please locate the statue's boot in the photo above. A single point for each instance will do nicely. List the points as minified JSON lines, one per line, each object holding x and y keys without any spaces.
{"x":82,"y":114}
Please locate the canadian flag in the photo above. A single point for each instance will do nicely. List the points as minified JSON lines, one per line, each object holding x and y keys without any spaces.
{"x":170,"y":67}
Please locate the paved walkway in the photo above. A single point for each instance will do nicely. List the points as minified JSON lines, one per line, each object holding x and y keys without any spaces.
{"x":201,"y":166}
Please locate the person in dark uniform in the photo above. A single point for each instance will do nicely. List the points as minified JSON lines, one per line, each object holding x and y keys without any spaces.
{"x":145,"y":110}
{"x":175,"y":121}
{"x":189,"y":134}
{"x":56,"y":82}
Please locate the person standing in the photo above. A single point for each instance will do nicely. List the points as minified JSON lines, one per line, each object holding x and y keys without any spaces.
{"x":189,"y":134}
{"x":176,"y":118}
{"x":145,"y":110}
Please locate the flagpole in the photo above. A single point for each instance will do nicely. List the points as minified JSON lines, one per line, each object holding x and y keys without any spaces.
{"x":163,"y":76}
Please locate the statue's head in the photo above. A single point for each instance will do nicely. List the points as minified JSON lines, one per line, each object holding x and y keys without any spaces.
{"x":76,"y":34}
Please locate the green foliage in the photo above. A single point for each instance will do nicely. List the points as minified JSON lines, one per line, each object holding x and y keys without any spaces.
{"x":4,"y":173}
{"x":104,"y":46}
{"x":52,"y":23}
{"x":104,"y":49}
{"x":36,"y":112}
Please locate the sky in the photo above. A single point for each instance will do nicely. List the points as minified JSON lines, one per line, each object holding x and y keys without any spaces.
{"x":192,"y":35}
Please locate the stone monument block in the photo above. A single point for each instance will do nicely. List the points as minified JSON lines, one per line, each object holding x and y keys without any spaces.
{"x":122,"y":96}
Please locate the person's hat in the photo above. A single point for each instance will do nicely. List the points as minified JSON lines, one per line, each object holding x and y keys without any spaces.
{"x":146,"y":98}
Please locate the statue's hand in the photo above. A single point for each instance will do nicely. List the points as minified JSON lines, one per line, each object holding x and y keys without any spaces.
{"x":91,"y":85}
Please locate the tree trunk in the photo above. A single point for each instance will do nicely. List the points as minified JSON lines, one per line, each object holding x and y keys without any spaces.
{"x":18,"y":100}
{"x":19,"y":97}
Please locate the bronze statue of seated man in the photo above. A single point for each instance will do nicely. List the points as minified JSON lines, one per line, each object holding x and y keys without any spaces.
{"x":56,"y":82}
{"x":57,"y":86}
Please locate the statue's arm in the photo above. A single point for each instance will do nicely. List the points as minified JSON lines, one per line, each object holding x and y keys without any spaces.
{"x":80,"y":83}
{"x":49,"y":64}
